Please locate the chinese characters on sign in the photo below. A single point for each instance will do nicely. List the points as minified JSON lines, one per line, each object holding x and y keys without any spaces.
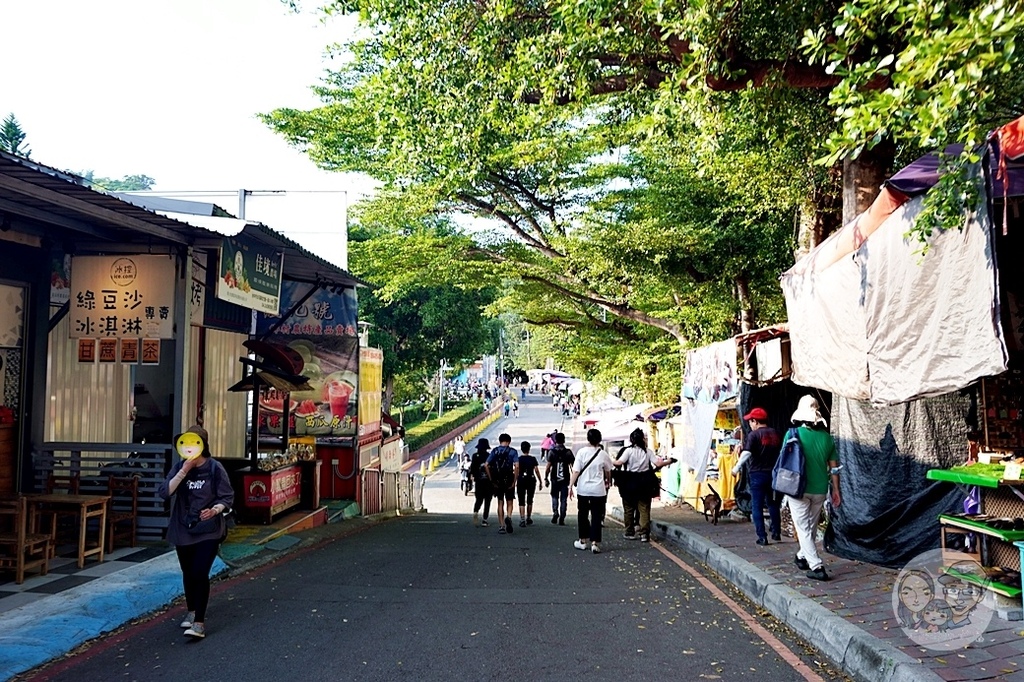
{"x":114,"y":297}
{"x":250,"y":274}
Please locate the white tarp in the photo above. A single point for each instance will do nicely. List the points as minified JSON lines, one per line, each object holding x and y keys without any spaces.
{"x":693,"y":429}
{"x":885,"y":324}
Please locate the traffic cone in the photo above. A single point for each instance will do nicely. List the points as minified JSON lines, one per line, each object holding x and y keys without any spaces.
{"x":423,"y":467}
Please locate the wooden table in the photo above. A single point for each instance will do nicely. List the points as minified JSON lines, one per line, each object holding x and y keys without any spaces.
{"x":86,"y":506}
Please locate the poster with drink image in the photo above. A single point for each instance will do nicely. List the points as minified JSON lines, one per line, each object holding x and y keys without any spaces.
{"x":322,"y":331}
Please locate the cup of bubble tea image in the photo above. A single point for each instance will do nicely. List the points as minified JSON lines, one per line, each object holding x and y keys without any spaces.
{"x":338,"y":394}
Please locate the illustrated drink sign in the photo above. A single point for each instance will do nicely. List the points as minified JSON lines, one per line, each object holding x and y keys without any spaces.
{"x":323,"y":331}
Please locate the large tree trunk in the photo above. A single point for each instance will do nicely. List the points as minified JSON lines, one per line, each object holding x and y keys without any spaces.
{"x":389,"y":394}
{"x":863,"y":178}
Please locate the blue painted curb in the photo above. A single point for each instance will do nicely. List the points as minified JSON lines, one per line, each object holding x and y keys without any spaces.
{"x":43,"y":630}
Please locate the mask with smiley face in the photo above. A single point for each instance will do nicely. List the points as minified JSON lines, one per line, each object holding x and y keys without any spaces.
{"x":189,"y":445}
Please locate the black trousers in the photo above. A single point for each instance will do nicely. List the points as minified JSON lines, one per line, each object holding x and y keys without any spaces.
{"x":591,"y":514}
{"x":196,"y":561}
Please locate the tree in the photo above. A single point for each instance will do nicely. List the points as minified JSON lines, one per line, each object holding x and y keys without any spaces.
{"x":416,"y":323}
{"x":12,"y":138}
{"x":129,"y":183}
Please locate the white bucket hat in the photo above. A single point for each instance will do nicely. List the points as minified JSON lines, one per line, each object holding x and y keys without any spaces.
{"x":807,"y":411}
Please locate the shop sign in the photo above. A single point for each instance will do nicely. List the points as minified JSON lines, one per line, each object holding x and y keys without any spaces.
{"x":60,"y":279}
{"x":322,"y":330}
{"x":150,"y":351}
{"x":371,"y":389}
{"x":197,"y":292}
{"x":122,"y":296}
{"x":129,"y":351}
{"x":278,"y":490}
{"x":107,"y":350}
{"x":250,"y":274}
{"x":87,"y":350}
{"x":391,"y":455}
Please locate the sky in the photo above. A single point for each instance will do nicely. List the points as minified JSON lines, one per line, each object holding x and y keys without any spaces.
{"x":171,"y":89}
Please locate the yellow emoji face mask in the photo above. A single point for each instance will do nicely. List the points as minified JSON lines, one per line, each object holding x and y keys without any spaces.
{"x":189,"y":445}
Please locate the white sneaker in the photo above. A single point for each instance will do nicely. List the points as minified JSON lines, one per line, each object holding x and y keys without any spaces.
{"x":197,"y":630}
{"x":579,"y":544}
{"x":189,"y":619}
{"x":595,"y":548}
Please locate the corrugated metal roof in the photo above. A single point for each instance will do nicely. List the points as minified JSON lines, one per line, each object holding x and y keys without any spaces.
{"x":50,"y":198}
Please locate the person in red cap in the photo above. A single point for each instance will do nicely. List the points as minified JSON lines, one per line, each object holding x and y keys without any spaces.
{"x":760,"y":450}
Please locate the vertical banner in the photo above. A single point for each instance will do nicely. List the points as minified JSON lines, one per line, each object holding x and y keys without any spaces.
{"x":323,"y":331}
{"x":371,"y":389}
{"x":710,"y":375}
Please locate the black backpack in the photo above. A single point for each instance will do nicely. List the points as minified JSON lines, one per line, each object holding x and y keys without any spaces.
{"x":503,"y":467}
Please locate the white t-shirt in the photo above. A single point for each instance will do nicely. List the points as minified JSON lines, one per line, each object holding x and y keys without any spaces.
{"x":591,"y":482}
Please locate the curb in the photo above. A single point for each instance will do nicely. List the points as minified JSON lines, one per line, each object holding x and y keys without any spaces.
{"x":856,"y":652}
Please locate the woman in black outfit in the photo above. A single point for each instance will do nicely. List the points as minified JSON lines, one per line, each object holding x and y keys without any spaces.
{"x":201,"y":494}
{"x":482,"y":484}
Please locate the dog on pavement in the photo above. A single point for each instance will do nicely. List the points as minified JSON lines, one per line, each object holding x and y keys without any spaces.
{"x":712,"y":505}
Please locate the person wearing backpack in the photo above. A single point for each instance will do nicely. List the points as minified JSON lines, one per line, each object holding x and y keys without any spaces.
{"x":760,"y":450}
{"x":821,"y":463}
{"x":503,"y":470}
{"x":556,"y":475}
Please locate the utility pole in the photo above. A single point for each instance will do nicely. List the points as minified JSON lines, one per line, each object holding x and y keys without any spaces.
{"x":440,"y":389}
{"x":501,"y":356}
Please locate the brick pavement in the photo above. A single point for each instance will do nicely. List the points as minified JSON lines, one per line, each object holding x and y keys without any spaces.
{"x":861,"y":594}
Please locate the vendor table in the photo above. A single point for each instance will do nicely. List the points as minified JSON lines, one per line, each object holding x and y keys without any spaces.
{"x":999,"y":499}
{"x":268,"y":493}
{"x":84,"y":506}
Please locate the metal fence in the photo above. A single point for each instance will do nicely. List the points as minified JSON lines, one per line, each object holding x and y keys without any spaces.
{"x":390,"y":492}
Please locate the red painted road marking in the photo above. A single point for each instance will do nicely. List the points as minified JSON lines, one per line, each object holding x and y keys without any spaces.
{"x":771,"y":640}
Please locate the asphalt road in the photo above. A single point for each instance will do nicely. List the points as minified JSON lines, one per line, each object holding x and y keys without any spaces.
{"x":431,"y":597}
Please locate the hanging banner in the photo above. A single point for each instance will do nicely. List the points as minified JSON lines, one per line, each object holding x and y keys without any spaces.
{"x":250,"y":274}
{"x":323,"y":331}
{"x":710,"y":375}
{"x":371,"y":389}
{"x":122,"y":297}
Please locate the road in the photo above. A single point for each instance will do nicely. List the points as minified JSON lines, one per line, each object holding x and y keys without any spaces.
{"x":431,"y":597}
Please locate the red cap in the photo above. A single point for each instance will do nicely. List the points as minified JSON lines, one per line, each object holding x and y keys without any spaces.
{"x":758,"y":414}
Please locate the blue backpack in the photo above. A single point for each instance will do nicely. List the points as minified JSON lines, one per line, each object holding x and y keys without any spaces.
{"x":788,"y":476}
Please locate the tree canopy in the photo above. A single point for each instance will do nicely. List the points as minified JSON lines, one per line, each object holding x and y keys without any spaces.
{"x":12,"y":137}
{"x":631,"y":173}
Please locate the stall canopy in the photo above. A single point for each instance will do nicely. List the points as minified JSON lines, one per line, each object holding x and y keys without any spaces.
{"x":871,"y":318}
{"x":894,"y":335}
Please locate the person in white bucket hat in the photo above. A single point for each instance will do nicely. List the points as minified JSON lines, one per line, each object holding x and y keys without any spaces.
{"x":821,"y":466}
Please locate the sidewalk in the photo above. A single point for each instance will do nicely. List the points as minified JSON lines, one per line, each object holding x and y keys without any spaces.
{"x":49,"y":616}
{"x":849,"y":618}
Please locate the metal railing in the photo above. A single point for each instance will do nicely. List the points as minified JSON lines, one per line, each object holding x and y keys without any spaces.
{"x":390,"y":492}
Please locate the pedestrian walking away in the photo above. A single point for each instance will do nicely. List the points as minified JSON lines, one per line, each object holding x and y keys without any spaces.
{"x":200,"y":493}
{"x":515,"y":408}
{"x":527,"y":484}
{"x":465,"y":477}
{"x":821,"y":466}
{"x":503,"y":470}
{"x":591,"y":476}
{"x":557,"y":475}
{"x":546,"y":445}
{"x":760,"y":450}
{"x":507,"y":408}
{"x":636,"y":484}
{"x":481,"y":484}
